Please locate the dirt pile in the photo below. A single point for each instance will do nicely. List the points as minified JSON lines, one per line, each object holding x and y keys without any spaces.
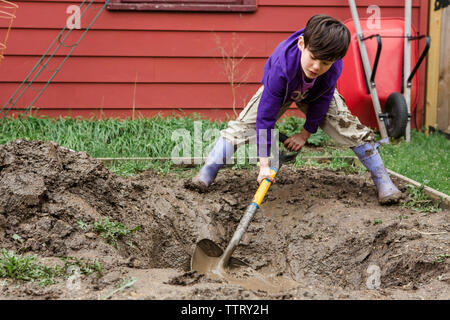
{"x":48,"y":190}
{"x":323,"y":229}
{"x":45,"y":189}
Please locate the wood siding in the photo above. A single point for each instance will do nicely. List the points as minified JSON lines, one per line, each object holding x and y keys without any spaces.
{"x":153,"y":62}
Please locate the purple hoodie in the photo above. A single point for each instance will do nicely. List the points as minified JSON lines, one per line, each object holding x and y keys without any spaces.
{"x":282,"y":76}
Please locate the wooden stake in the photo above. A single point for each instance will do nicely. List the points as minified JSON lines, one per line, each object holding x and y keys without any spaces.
{"x":433,"y":62}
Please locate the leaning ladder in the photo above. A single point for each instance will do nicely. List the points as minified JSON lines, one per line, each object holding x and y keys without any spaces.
{"x":41,"y":65}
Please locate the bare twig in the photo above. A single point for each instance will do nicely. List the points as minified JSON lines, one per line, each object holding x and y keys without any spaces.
{"x":430,"y":233}
{"x":231,"y":65}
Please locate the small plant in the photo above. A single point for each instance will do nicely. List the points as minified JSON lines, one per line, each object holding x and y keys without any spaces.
{"x":441,"y":258}
{"x":83,"y":225}
{"x":112,"y":231}
{"x":85,"y":267}
{"x":125,"y":284}
{"x":339,"y":164}
{"x":420,"y":201}
{"x":319,"y":138}
{"x":322,"y":195}
{"x":17,"y":238}
{"x":18,"y":267}
{"x":377,"y":221}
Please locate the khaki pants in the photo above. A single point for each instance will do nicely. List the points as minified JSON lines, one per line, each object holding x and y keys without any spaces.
{"x":344,"y":128}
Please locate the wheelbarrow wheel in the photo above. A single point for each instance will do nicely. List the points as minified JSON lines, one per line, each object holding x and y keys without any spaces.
{"x":397,"y":115}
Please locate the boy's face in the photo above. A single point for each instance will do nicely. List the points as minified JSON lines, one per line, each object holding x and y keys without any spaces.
{"x":312,"y":67}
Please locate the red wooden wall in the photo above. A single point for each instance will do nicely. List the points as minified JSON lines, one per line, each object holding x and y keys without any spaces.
{"x":133,"y":63}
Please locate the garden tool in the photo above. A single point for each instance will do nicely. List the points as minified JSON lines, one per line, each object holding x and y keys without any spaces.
{"x":208,"y":256}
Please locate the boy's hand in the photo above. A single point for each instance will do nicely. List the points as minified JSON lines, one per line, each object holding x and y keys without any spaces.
{"x":264,"y":170}
{"x":297,"y":141}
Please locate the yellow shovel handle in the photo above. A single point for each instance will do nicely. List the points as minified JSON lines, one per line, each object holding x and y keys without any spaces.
{"x":263,"y":188}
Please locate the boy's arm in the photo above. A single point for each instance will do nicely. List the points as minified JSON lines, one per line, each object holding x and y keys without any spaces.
{"x":270,"y":103}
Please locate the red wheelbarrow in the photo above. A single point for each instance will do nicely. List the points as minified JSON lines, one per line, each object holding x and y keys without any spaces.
{"x":381,"y":95}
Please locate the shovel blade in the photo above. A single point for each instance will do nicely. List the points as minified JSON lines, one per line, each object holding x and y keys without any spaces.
{"x":210,"y":248}
{"x":207,"y":256}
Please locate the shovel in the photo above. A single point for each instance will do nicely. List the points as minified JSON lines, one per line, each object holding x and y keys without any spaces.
{"x":208,"y":256}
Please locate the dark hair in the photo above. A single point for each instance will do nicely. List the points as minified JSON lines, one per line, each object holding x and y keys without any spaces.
{"x":326,"y":37}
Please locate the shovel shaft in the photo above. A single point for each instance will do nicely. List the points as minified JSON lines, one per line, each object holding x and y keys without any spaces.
{"x":247,"y":217}
{"x":240,"y":230}
{"x":253,"y":207}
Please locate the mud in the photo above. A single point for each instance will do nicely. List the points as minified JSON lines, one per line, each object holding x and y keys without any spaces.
{"x":322,"y":231}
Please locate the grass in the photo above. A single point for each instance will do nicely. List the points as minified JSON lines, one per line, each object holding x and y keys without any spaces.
{"x":424,"y":159}
{"x":441,"y":258}
{"x":112,"y":231}
{"x":84,"y":266}
{"x":142,"y":137}
{"x":377,"y":221}
{"x":22,"y":268}
{"x":126,"y":283}
{"x":419,"y":201}
{"x":26,"y":268}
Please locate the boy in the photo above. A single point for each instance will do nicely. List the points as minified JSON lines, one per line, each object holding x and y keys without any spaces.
{"x":303,"y":68}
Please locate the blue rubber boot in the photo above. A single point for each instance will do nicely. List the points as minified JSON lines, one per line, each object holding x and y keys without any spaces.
{"x":218,"y":157}
{"x":369,"y":156}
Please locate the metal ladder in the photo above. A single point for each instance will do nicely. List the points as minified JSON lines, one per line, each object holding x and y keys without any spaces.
{"x":41,"y":64}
